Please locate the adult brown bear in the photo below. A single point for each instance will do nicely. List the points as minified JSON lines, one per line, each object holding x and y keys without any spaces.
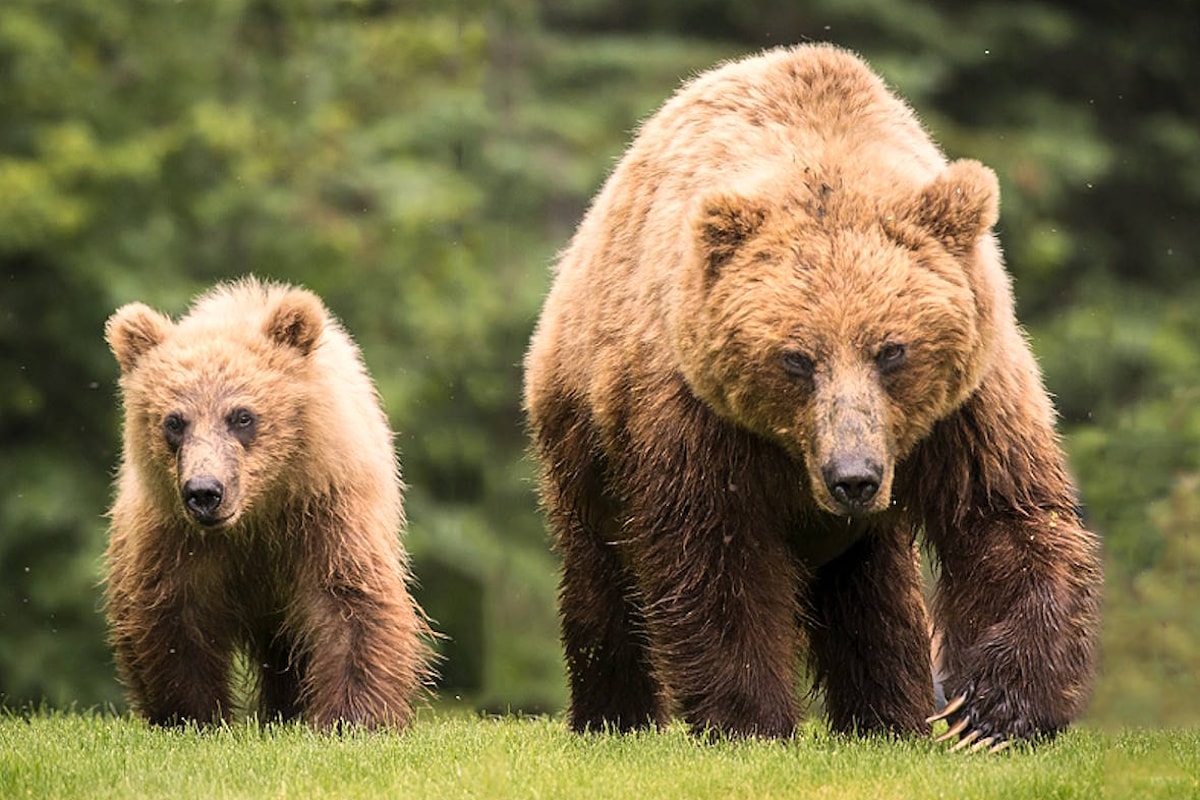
{"x":781,"y":345}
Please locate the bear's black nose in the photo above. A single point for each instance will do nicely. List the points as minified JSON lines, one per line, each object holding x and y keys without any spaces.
{"x":202,"y":496}
{"x":853,"y":481}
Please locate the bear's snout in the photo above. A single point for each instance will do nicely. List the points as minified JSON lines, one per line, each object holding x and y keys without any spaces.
{"x":853,"y":480}
{"x":202,"y":497}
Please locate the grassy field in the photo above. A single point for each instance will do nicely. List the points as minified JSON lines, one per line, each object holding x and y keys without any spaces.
{"x":444,"y":756}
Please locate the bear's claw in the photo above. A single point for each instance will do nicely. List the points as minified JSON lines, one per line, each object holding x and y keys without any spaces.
{"x":966,"y":741}
{"x":955,"y":730}
{"x":951,"y":707}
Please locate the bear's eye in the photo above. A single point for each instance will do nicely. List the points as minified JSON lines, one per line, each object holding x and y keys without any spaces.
{"x":891,"y":356}
{"x":242,"y":424}
{"x":798,"y":364}
{"x":173,"y":428}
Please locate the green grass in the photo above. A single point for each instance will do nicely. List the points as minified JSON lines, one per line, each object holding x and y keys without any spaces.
{"x":444,"y":756}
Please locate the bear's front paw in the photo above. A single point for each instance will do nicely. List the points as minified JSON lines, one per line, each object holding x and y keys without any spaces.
{"x":987,"y":720}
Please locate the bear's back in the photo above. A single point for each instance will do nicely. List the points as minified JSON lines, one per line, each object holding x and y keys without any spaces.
{"x":782,"y":111}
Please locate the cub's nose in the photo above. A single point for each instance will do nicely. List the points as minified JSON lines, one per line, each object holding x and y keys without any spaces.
{"x":202,"y":496}
{"x":853,"y":481}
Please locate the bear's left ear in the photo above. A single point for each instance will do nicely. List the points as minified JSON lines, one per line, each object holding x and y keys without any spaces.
{"x":297,"y":320}
{"x":133,"y":330}
{"x":723,"y":223}
{"x":960,"y":205}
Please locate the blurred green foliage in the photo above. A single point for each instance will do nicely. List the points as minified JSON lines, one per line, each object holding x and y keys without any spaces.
{"x":418,"y":164}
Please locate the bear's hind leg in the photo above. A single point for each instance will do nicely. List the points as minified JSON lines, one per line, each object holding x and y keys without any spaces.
{"x":869,"y":637}
{"x":279,"y":670}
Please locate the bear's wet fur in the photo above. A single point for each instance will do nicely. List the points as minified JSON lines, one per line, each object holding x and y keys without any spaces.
{"x":258,"y":510}
{"x":779,"y":350}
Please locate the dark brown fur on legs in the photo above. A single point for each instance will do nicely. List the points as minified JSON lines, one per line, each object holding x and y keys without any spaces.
{"x":780,"y":344}
{"x":720,"y":622}
{"x":603,"y":632}
{"x":714,"y":575}
{"x":280,"y":668}
{"x":868,"y":635}
{"x":355,"y":625}
{"x":1019,"y":591}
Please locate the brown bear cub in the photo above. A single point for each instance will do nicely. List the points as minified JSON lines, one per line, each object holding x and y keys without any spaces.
{"x":258,"y":511}
{"x":780,"y":346}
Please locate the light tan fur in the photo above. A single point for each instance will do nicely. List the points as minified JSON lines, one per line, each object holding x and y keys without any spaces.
{"x":301,"y":564}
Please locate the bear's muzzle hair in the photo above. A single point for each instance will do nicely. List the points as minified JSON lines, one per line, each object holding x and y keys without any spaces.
{"x":208,"y":469}
{"x":852,"y":462}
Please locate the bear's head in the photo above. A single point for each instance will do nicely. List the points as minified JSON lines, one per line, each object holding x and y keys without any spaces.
{"x":842,"y":325}
{"x":215,"y":404}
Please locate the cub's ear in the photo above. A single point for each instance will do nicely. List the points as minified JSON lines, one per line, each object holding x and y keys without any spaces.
{"x":960,"y":205}
{"x":133,"y":330}
{"x":297,"y":320}
{"x":723,"y":222}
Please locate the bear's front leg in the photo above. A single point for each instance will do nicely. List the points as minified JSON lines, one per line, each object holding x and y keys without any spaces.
{"x":359,"y":634}
{"x":611,"y":679}
{"x":1019,"y":590}
{"x":172,"y":637}
{"x":1018,"y":607}
{"x":716,"y":581}
{"x":869,"y":636}
{"x":721,"y":611}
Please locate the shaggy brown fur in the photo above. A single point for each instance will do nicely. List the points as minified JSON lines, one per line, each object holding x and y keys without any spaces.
{"x":780,"y":345}
{"x":258,"y":508}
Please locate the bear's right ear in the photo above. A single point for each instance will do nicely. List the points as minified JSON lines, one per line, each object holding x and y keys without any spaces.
{"x":960,"y":205}
{"x":133,"y":330}
{"x":297,"y":320}
{"x":724,"y":222}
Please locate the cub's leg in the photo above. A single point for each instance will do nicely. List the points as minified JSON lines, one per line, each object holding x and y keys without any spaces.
{"x":171,"y":632}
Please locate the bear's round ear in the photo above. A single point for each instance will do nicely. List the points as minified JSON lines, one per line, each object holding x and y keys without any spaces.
{"x":724,"y":222}
{"x":297,"y":320}
{"x":960,"y":205}
{"x":133,"y":330}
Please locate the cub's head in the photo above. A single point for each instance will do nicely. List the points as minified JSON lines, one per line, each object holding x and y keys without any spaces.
{"x":214,"y":404}
{"x":839,"y":325}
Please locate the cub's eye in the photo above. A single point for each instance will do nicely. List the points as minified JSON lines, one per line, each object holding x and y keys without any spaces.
{"x":242,"y":424}
{"x":891,"y":356}
{"x":173,"y":428}
{"x":241,"y":418}
{"x":798,"y":364}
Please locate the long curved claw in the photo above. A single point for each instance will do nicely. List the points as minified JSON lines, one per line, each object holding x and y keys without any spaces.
{"x":996,"y":748}
{"x":951,"y":707}
{"x":982,"y":743}
{"x":954,"y":731}
{"x":964,"y":741}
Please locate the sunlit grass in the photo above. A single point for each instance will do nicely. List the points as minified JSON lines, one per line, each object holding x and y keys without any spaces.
{"x":451,"y":755}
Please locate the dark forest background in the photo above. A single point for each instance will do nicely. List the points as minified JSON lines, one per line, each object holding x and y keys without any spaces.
{"x":418,"y":163}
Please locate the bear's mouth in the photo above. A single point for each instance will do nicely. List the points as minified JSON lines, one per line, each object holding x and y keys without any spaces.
{"x":206,"y":521}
